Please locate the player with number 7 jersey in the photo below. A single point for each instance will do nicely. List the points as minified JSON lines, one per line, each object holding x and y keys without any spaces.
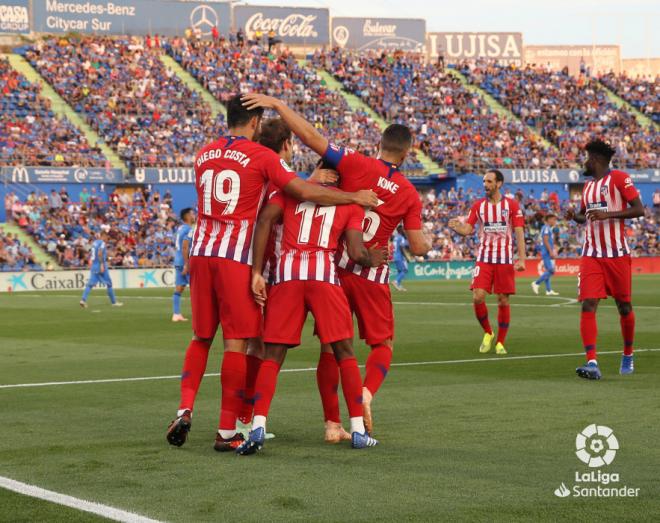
{"x":231,"y":175}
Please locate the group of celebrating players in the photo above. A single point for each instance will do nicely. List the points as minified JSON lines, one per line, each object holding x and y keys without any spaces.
{"x":269,"y":247}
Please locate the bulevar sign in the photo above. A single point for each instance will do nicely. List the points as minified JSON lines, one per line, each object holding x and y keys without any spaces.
{"x":571,"y":266}
{"x":292,"y":25}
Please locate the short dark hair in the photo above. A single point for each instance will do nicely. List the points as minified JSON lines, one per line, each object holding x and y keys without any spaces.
{"x":274,"y":132}
{"x":600,"y":148}
{"x":184,"y":212}
{"x":396,"y":138}
{"x":499,"y":177}
{"x":549,"y":215}
{"x":238,"y":114}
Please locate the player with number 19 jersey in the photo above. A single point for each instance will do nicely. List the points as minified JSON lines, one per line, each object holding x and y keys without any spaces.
{"x":231,"y":176}
{"x":367,"y":289}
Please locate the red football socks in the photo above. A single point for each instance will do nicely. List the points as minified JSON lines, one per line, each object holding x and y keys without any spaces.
{"x":378,"y":365}
{"x":253,"y":364}
{"x":232,"y":379}
{"x":327,"y":378}
{"x":264,"y":389}
{"x":481,"y":312}
{"x":194,"y":365}
{"x":628,"y":332}
{"x":351,"y":384}
{"x":589,"y":332}
{"x":503,"y":319}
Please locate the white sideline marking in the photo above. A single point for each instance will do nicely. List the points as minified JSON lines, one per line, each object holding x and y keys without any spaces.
{"x":309,"y":369}
{"x":105,"y":511}
{"x":569,"y":301}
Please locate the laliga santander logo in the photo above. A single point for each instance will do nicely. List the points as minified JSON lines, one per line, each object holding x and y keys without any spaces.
{"x":596,"y":445}
{"x":293,"y":26}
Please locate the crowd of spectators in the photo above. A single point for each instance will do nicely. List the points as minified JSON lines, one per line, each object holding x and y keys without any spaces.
{"x":226,"y":67}
{"x":31,"y":134}
{"x":567,"y":110}
{"x":642,"y":93}
{"x":15,"y":255}
{"x":453,"y":124}
{"x":140,"y":108}
{"x":643,"y":235}
{"x":140,"y":225}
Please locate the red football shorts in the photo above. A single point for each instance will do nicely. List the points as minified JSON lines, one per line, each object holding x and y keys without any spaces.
{"x":603,"y":277}
{"x":289,"y":302}
{"x":498,"y":278}
{"x":220,"y":293}
{"x":372,"y":304}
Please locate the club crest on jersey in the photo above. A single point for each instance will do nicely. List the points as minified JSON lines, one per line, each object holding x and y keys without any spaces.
{"x":505,"y":213}
{"x":603,"y":190}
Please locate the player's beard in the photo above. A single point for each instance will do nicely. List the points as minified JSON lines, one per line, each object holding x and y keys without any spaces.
{"x":588,"y":172}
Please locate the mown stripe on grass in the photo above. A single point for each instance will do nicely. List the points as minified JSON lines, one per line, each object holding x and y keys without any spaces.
{"x":309,"y":369}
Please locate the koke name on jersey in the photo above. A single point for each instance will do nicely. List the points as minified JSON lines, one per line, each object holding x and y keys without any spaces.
{"x":230,"y":154}
{"x":388,"y":185}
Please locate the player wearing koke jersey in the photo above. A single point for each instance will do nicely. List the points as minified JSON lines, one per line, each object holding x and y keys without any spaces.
{"x":306,"y":280}
{"x":182,"y":239}
{"x":367,"y":289}
{"x":607,"y":200}
{"x":231,"y":175}
{"x":499,"y":219}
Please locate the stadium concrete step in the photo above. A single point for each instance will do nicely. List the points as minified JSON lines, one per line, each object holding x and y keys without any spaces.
{"x":193,"y":84}
{"x":61,"y":108}
{"x":494,"y":105}
{"x":430,"y":167}
{"x":641,"y":118}
{"x":39,"y":254}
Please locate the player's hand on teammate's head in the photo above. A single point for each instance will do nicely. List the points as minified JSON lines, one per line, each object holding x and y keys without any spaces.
{"x":519,"y":265}
{"x":254,"y":100}
{"x":325,"y":176}
{"x":377,"y":255}
{"x":366,"y":198}
{"x":259,"y":289}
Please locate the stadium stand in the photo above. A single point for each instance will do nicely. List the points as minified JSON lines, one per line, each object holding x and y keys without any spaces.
{"x":15,"y":256}
{"x":140,"y":226}
{"x":224,"y":68}
{"x":567,"y":111}
{"x":31,"y":134}
{"x":454,"y":126}
{"x":643,"y":94}
{"x":139,"y":107}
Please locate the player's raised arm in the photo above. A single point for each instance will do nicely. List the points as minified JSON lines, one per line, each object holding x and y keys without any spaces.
{"x":309,"y":192}
{"x":298,"y":125}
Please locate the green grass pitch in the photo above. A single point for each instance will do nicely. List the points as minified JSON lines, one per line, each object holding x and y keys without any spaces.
{"x":487,"y":439}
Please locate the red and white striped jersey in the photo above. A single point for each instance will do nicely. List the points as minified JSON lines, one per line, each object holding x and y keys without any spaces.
{"x":606,"y":238}
{"x":272,"y":253}
{"x":496,"y":224}
{"x":231,"y":175}
{"x":399,"y":202}
{"x":310,"y":238}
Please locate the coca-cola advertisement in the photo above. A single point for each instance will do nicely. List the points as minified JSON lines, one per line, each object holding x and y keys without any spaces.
{"x":291,"y":25}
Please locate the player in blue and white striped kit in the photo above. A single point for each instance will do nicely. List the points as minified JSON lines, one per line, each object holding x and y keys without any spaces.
{"x":182,"y":243}
{"x":400,"y":243}
{"x":99,"y":271}
{"x":547,"y":250}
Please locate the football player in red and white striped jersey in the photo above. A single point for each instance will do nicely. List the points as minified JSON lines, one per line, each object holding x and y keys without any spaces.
{"x":306,"y":280}
{"x":499,"y":219}
{"x":608,"y":199}
{"x":231,"y":175}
